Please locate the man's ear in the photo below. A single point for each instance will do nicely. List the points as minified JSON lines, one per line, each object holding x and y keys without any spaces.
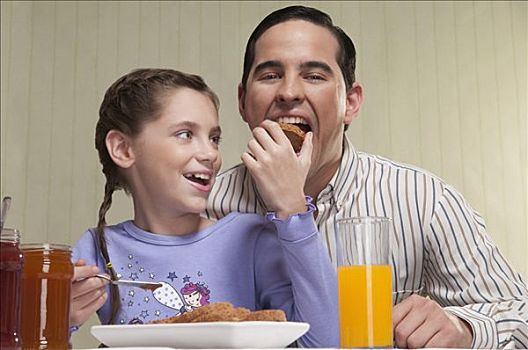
{"x":119,"y":148}
{"x":354,"y":100}
{"x":241,"y":104}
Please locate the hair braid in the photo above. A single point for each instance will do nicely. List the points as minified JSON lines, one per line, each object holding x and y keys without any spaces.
{"x":99,"y":231}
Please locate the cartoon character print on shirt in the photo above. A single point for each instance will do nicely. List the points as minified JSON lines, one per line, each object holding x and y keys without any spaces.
{"x":195,"y":294}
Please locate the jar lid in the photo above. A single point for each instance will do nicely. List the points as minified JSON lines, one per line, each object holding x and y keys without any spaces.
{"x":45,"y":246}
{"x":11,"y":235}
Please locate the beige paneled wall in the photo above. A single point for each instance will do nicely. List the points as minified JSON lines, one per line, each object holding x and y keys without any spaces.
{"x":445,"y":86}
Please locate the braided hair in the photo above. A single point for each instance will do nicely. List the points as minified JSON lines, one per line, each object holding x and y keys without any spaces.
{"x":129,"y":103}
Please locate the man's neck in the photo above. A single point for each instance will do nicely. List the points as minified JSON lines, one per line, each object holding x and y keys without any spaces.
{"x":317,"y":181}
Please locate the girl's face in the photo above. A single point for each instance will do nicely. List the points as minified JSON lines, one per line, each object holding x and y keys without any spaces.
{"x":176,"y":156}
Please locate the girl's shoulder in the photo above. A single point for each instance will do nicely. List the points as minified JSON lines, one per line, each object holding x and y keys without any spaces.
{"x":246,"y":218}
{"x":243,"y":222}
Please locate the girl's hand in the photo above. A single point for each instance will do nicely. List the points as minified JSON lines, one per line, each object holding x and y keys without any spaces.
{"x":88,"y":293}
{"x":278,"y":172}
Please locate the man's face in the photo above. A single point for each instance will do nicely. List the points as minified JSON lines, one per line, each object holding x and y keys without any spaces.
{"x":295,"y":78}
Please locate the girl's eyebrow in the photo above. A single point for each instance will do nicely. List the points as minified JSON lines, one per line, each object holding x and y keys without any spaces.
{"x":184,"y":124}
{"x":216,"y":130}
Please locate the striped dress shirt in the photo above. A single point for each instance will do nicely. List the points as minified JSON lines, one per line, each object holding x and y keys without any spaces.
{"x":439,"y":244}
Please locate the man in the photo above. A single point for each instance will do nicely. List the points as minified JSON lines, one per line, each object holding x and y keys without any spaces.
{"x":453,"y":287}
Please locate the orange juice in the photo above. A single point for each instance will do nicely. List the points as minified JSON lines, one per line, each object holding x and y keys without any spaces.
{"x":365,"y":306}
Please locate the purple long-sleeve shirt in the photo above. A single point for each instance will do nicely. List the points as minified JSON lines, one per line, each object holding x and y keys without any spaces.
{"x":246,"y":259}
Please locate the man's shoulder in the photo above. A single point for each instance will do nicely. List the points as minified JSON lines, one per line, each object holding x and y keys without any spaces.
{"x":236,"y":170}
{"x":374,"y":160}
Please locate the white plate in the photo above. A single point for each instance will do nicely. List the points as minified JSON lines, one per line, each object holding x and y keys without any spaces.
{"x":227,"y":335}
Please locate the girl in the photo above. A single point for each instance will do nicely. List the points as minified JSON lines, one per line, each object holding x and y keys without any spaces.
{"x":157,"y":139}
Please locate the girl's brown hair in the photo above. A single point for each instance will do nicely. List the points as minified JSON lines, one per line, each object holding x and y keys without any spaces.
{"x":132,"y":101}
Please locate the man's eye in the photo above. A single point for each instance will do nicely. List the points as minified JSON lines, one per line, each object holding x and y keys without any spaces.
{"x":269,"y":76}
{"x":184,"y":135}
{"x":314,"y":77}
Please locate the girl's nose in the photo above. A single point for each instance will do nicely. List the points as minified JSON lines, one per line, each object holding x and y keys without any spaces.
{"x":207,"y":153}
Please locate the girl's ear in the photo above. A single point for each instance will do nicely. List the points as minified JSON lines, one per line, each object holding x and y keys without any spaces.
{"x":119,"y":148}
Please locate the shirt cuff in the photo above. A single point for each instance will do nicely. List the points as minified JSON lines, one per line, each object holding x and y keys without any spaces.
{"x":295,"y":227}
{"x":485,"y":334}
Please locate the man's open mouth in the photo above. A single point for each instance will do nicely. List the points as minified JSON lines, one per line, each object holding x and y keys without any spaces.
{"x":297,"y":121}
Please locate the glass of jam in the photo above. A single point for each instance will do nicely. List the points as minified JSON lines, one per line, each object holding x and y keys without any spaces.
{"x":46,"y":289}
{"x":11,"y":262}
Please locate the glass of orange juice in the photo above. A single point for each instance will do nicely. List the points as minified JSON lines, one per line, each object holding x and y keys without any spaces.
{"x":365,"y":282}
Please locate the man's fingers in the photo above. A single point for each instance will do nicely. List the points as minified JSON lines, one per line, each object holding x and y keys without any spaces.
{"x":407,"y":327}
{"x":407,"y":317}
{"x":422,"y":334}
{"x":400,"y":311}
{"x":307,"y":147}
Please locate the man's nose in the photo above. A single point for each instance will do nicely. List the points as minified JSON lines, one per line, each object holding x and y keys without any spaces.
{"x":290,"y":90}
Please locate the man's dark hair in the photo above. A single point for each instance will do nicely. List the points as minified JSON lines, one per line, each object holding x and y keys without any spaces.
{"x":346,"y":55}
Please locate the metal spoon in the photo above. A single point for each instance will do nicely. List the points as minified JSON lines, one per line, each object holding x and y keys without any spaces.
{"x":6,"y":203}
{"x":140,"y":284}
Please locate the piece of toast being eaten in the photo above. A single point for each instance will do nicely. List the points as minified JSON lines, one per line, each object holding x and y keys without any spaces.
{"x":295,"y":134}
{"x":224,"y":312}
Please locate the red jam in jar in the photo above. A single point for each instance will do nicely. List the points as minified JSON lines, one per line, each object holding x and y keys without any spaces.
{"x":11,"y":262}
{"x":46,"y":289}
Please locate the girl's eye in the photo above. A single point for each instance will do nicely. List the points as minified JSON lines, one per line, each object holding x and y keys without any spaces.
{"x":185,"y":135}
{"x":216,"y":140}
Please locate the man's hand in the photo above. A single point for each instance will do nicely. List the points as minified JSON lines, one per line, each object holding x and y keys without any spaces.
{"x":278,"y":172}
{"x":88,"y":293}
{"x":420,"y":322}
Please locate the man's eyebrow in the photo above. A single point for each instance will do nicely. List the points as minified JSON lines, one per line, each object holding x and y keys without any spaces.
{"x":267,"y":64}
{"x":317,"y":64}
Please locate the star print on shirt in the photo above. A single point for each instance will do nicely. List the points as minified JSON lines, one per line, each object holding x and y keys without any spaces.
{"x":144,"y":314}
{"x":134,"y":276}
{"x":186,"y":279}
{"x":200,"y":274}
{"x":172,"y":276}
{"x":130,"y":256}
{"x":157,"y":312}
{"x":141,"y":269}
{"x":130,"y":303}
{"x":146,"y":299}
{"x":131,"y":293}
{"x":151,"y":275}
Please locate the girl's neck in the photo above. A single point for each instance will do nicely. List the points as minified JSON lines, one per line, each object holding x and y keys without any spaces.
{"x":171,"y":225}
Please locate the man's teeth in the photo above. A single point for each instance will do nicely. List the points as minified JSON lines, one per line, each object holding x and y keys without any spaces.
{"x":291,"y":120}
